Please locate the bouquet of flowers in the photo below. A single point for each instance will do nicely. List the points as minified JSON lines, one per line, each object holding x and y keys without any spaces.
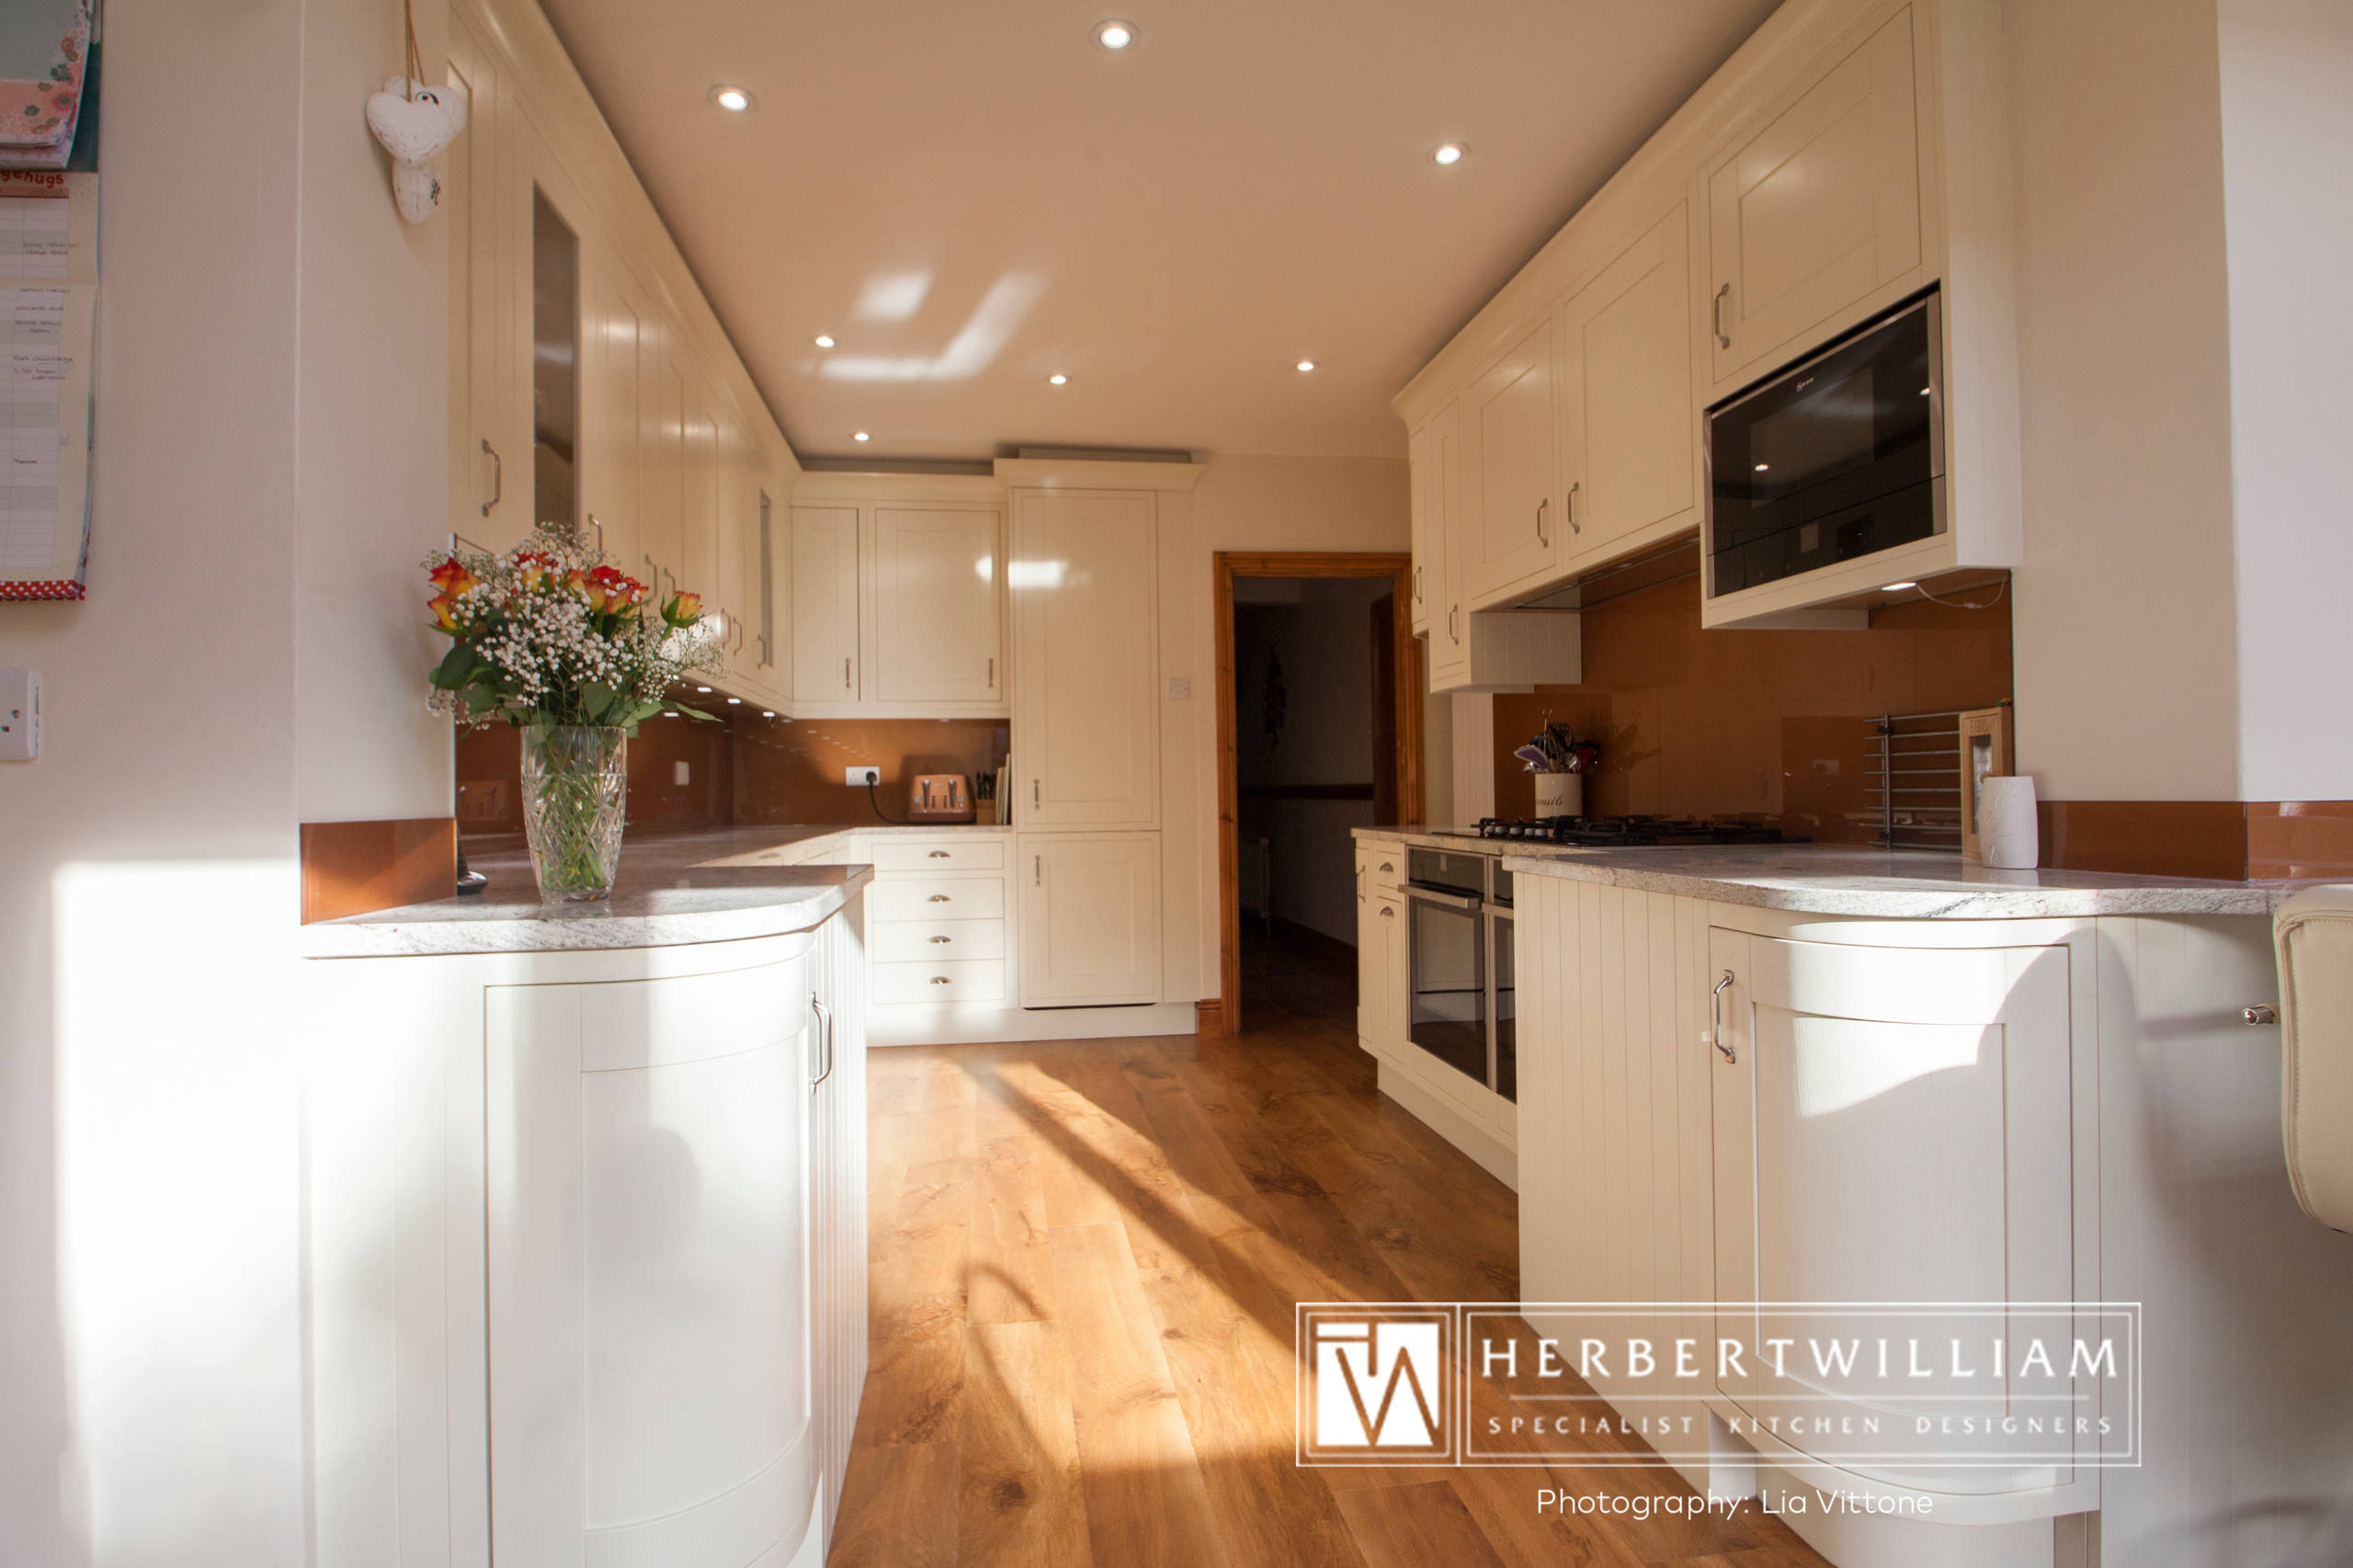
{"x":557,"y":642}
{"x":552,"y":634}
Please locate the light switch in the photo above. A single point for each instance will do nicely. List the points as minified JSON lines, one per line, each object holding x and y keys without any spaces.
{"x":1180,"y":688}
{"x":678,"y":772}
{"x":20,"y":714}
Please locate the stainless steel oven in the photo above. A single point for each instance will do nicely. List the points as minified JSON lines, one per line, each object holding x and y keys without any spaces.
{"x":1840,"y":456}
{"x":1459,"y":961}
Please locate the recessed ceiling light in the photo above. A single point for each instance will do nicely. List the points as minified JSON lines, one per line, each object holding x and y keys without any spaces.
{"x":1306,"y":364}
{"x":1058,"y":379}
{"x":734,"y":702}
{"x":1898,"y":587}
{"x":768,"y":712}
{"x":1114,"y":34}
{"x":824,"y":340}
{"x":1447,"y":153}
{"x":734,"y":100}
{"x":861,"y":436}
{"x":704,"y":690}
{"x":1762,"y":467}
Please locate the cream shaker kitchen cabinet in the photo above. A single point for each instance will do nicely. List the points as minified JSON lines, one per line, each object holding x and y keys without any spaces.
{"x":825,"y":605}
{"x":489,"y":406}
{"x":1629,"y":447}
{"x":1422,"y":469}
{"x":1817,"y":209}
{"x":674,"y":1193}
{"x":1087,"y":711}
{"x":1380,"y":949}
{"x":1476,"y":651}
{"x":1090,"y":918}
{"x":940,"y":626}
{"x":1892,"y":1124}
{"x":1509,"y":430}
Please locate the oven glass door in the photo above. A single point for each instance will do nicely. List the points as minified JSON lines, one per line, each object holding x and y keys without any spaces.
{"x":1835,"y":458}
{"x":1447,"y":956}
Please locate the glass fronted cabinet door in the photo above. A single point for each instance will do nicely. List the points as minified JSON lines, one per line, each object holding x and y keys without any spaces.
{"x":555,"y":367}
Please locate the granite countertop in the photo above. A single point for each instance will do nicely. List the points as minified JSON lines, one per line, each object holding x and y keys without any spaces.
{"x":1832,"y":878}
{"x":723,"y":885}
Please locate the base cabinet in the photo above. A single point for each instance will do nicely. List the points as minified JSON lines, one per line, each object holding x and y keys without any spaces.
{"x":1380,"y":953}
{"x":1090,"y":918}
{"x":590,"y":1225}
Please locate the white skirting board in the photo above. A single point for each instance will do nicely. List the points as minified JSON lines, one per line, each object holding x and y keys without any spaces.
{"x":947,"y":1024}
{"x":1499,"y":1161}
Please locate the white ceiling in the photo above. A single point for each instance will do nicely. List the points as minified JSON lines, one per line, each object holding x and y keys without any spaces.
{"x":970,"y":196}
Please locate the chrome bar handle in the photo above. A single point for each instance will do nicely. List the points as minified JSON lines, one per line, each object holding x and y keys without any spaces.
{"x":826,"y":1019}
{"x":2259,"y":1014}
{"x":1539,"y":520}
{"x":844,"y":674}
{"x":1724,"y":339}
{"x":1575,"y":527}
{"x":1716,"y":1018}
{"x":497,"y":476}
{"x":600,"y":532}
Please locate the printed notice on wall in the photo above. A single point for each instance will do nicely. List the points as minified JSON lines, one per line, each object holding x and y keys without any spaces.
{"x":48,"y":307}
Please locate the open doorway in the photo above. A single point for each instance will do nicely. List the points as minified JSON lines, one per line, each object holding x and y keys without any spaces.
{"x":1319,"y":731}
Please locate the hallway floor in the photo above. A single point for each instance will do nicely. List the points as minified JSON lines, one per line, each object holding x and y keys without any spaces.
{"x":1085,"y":1257}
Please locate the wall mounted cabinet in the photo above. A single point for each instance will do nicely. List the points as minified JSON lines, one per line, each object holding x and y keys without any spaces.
{"x":1817,"y":209}
{"x":1471,"y":650}
{"x":899,"y":604}
{"x":1850,"y":155}
{"x":940,"y":626}
{"x":1630,"y":451}
{"x":824,"y":608}
{"x":590,"y":383}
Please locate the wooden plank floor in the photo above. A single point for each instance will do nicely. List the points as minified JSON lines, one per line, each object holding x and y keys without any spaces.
{"x":1085,"y":1257}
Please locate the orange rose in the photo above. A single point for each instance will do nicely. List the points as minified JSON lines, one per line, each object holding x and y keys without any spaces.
{"x":534,"y":568}
{"x":683,"y":610}
{"x":452,"y":578}
{"x":445,"y":611}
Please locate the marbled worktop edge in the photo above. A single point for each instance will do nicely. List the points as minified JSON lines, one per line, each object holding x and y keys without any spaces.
{"x":1828,"y":879}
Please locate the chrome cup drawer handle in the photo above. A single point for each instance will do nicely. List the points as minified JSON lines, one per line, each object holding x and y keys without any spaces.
{"x":938,"y":939}
{"x":939,"y":979}
{"x":939,"y":898}
{"x":941,"y":855}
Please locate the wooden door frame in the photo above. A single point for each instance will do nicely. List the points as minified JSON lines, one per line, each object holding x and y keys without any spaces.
{"x":1224,"y":1016}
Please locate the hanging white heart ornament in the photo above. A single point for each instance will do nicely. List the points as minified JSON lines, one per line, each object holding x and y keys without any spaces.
{"x":415,"y":121}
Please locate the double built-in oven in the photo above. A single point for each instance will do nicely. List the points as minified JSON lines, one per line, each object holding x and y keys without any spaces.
{"x":1461,"y":1006}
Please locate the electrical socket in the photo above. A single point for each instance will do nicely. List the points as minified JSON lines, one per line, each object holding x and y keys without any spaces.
{"x":856,"y":776}
{"x":20,"y":714}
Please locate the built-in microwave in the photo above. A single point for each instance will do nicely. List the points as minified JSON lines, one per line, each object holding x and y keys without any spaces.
{"x":1837,"y":457}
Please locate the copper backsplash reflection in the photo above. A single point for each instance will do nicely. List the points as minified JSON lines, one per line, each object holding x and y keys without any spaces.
{"x":1751,"y":724}
{"x":746,"y":771}
{"x":792,"y":772}
{"x":490,"y":778}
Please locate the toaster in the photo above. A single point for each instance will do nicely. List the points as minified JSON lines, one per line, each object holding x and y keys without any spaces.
{"x":940,"y":796}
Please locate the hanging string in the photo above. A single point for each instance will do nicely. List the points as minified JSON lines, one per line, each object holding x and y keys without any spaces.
{"x":416,"y":71}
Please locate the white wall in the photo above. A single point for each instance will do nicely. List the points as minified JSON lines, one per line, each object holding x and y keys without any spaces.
{"x":374,"y":440}
{"x":2123,"y":629}
{"x":1246,"y":502}
{"x":2286,"y":125}
{"x":270,"y":362}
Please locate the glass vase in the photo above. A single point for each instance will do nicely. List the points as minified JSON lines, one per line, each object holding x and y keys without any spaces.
{"x":575,"y":780}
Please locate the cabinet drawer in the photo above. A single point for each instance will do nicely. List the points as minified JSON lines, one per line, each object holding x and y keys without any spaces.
{"x":920,"y":941}
{"x":1384,"y":866}
{"x":937,"y":898}
{"x":940,"y":855}
{"x":971,"y":980}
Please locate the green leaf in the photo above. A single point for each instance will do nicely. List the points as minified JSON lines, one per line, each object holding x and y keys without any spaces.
{"x":695,"y":713}
{"x":457,"y":666}
{"x":598,"y":702}
{"x":481,"y":699}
